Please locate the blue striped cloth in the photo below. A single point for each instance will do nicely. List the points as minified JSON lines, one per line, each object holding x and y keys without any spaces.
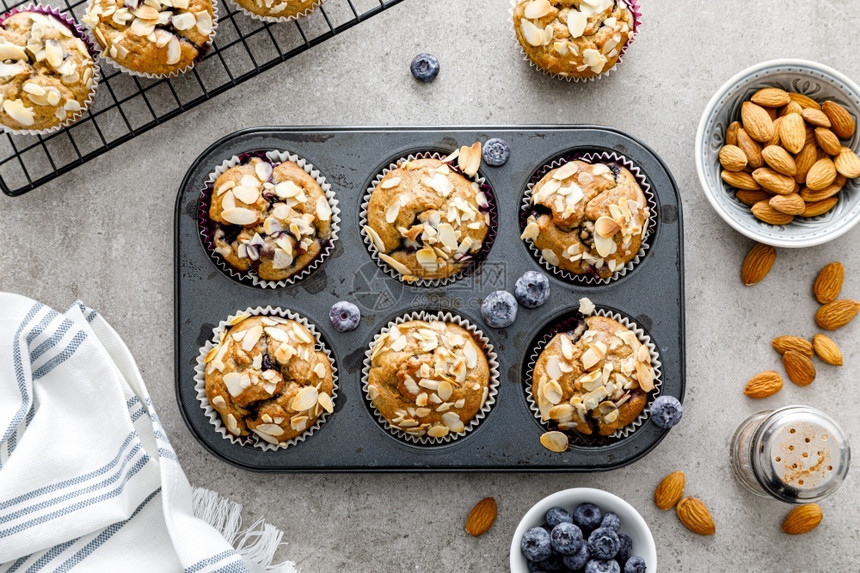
{"x":88,"y":479}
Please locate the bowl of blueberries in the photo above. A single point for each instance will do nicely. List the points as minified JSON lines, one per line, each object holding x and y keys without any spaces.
{"x":583,"y":530}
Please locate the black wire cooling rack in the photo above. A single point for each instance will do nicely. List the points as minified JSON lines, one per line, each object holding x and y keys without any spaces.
{"x":126,"y":106}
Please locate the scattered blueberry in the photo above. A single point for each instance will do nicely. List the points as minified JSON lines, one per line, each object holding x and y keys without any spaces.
{"x":611,"y":520}
{"x":602,"y":566}
{"x":536,"y":544}
{"x":557,"y":515}
{"x":499,"y":309}
{"x":578,"y":560}
{"x":532,"y":289}
{"x":603,"y":543}
{"x":625,"y":548}
{"x":566,"y":538}
{"x":553,"y":564}
{"x":496,"y":152}
{"x":344,"y":316}
{"x":635,"y":565}
{"x":666,"y":411}
{"x":587,"y":516}
{"x":425,"y":67}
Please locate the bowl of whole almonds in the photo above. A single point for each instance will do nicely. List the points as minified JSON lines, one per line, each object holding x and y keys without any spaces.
{"x":777,"y":153}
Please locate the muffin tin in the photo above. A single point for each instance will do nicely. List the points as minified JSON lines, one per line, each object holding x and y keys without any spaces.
{"x":652,"y":295}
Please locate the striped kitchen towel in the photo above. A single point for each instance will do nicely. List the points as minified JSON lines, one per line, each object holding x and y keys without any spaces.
{"x":88,"y":479}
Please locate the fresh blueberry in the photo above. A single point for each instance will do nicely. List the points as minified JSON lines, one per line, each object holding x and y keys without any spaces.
{"x":534,"y":567}
{"x":536,"y":544}
{"x":624,"y":549}
{"x":578,"y":560}
{"x":603,"y":543}
{"x":611,"y":520}
{"x":344,"y":316}
{"x":532,"y":289}
{"x":602,"y":566}
{"x":425,"y":67}
{"x":553,"y":564}
{"x":666,"y":411}
{"x":635,"y":565}
{"x":566,"y":538}
{"x":499,"y":309}
{"x":496,"y":152}
{"x":587,"y":516}
{"x":557,"y":515}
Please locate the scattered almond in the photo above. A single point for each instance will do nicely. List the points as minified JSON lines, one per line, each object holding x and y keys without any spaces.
{"x":828,"y":283}
{"x":481,"y":517}
{"x":469,"y":160}
{"x":670,"y":491}
{"x":799,"y":368}
{"x":555,"y":441}
{"x":694,"y":515}
{"x":802,"y":519}
{"x":757,"y":263}
{"x":783,"y":344}
{"x":764,"y":384}
{"x":836,"y":314}
{"x":826,"y":350}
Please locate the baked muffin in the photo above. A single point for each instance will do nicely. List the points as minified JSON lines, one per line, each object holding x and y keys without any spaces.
{"x":593,"y":380}
{"x":47,"y":72}
{"x":267,"y":378}
{"x":156,"y":37}
{"x":279,"y":9}
{"x":428,"y":378}
{"x":426,"y":220}
{"x":272,"y":222}
{"x":573,"y":38}
{"x":587,"y":218}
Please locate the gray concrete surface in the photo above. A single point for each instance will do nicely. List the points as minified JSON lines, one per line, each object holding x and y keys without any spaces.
{"x":103,"y":234}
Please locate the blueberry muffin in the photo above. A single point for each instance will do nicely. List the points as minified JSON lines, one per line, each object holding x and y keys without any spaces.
{"x":428,"y":378}
{"x":47,"y":72}
{"x":427,"y":221}
{"x":278,"y":9}
{"x":266,"y":378}
{"x":594,"y":379}
{"x":587,"y":218}
{"x":573,"y":38}
{"x":269,"y":221}
{"x":157,"y":37}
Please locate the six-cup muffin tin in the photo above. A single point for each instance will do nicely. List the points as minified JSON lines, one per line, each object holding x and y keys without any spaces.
{"x":652,"y":295}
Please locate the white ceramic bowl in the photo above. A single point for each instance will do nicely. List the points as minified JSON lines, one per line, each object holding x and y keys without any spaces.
{"x":815,"y":80}
{"x":632,"y":523}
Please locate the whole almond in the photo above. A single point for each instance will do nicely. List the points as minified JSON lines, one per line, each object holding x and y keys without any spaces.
{"x":732,"y":133}
{"x":779,"y":160}
{"x":481,"y":517}
{"x":841,"y":121}
{"x":764,"y":384}
{"x":792,"y":107}
{"x":836,"y":314}
{"x":732,"y":158}
{"x":811,"y":196}
{"x":767,"y":214}
{"x":821,"y":174}
{"x":803,"y":101}
{"x":826,"y":350}
{"x":789,"y":204}
{"x":771,"y":97}
{"x":828,"y":283}
{"x":783,"y":344}
{"x":799,"y":368}
{"x":827,"y":141}
{"x":773,"y":181}
{"x":804,"y":160}
{"x":775,"y":139}
{"x":820,"y":207}
{"x":756,"y":121}
{"x":740,"y":180}
{"x":757,"y":263}
{"x":802,"y":519}
{"x":695,"y":516}
{"x":670,"y":491}
{"x":792,"y":133}
{"x":751,"y":148}
{"x":815,"y":117}
{"x":847,"y":163}
{"x":752,"y":197}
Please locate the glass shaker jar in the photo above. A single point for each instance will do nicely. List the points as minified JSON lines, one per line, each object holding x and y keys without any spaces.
{"x":795,"y":454}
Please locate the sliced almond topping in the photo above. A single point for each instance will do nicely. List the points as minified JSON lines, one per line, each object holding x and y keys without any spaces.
{"x":561,"y":413}
{"x":471,"y":355}
{"x":426,"y":257}
{"x":204,"y":21}
{"x":233,"y":381}
{"x":552,"y":367}
{"x":301,"y":334}
{"x":299,"y":423}
{"x":237,"y":215}
{"x":390,"y":182}
{"x":395,"y":264}
{"x":445,"y":390}
{"x":452,"y":420}
{"x":19,"y":112}
{"x":552,"y":392}
{"x":606,"y":226}
{"x":531,"y":231}
{"x":392,"y":212}
{"x":324,"y":400}
{"x":271,"y":429}
{"x":253,"y":335}
{"x":532,"y":33}
{"x":323,"y":209}
{"x":470,"y":158}
{"x":438,"y":431}
{"x":645,"y":376}
{"x":576,"y":23}
{"x":590,"y":358}
{"x":605,"y":245}
{"x":248,"y":195}
{"x":537,"y":9}
{"x":232,"y":425}
{"x":566,"y":347}
{"x":305,"y":399}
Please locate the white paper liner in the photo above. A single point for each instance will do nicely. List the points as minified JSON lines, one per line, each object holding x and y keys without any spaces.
{"x":203,"y":50}
{"x":307,"y":12}
{"x":371,"y":247}
{"x":93,"y":50}
{"x":492,"y":362}
{"x":278,"y":157}
{"x":656,"y":364}
{"x":650,"y":223}
{"x":637,"y":24}
{"x":215,"y":417}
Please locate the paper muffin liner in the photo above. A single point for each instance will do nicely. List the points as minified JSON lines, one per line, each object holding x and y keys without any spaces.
{"x":207,"y":226}
{"x":563,"y":325}
{"x":93,"y":50}
{"x":633,"y":5}
{"x":215,"y":418}
{"x":493,"y":385}
{"x":477,"y":259}
{"x":307,"y":12}
{"x":201,"y":52}
{"x":650,"y":224}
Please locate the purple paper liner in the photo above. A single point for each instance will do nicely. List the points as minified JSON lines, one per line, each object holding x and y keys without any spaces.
{"x":592,"y":156}
{"x":568,"y":323}
{"x":478,"y":259}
